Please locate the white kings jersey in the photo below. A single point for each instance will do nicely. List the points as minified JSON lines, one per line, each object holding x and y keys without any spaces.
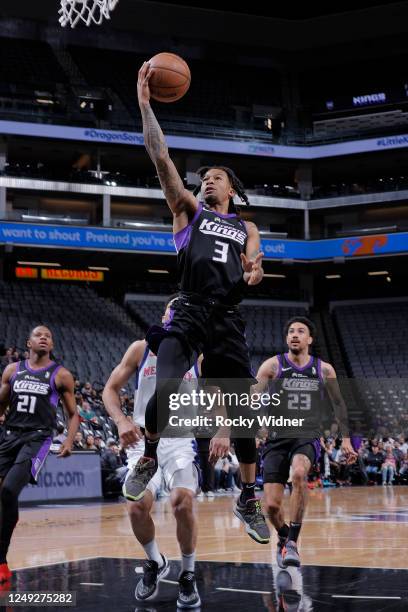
{"x":146,"y":384}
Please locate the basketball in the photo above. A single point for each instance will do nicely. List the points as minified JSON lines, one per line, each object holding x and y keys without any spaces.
{"x":171,"y":78}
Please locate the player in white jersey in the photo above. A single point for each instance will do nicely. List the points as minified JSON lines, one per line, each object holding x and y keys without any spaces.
{"x":177,"y":468}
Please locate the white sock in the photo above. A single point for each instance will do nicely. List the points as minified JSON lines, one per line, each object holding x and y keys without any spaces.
{"x":187,"y":562}
{"x":152,"y":552}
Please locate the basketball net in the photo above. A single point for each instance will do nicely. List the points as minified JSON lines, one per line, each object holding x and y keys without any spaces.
{"x":87,"y":11}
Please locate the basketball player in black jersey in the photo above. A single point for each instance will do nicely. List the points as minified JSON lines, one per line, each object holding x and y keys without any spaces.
{"x":217,"y":254}
{"x":305,"y":381}
{"x":29,"y":392}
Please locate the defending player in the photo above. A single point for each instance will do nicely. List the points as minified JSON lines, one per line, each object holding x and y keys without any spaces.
{"x":217,"y":254}
{"x":176,"y":458}
{"x":30,"y":390}
{"x":305,"y":378}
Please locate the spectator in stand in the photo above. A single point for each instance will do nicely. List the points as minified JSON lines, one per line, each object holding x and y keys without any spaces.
{"x":398,"y":455}
{"x":87,"y":391}
{"x":403,"y":444}
{"x":60,"y":437}
{"x":388,"y":468}
{"x":90,"y":443}
{"x":404,"y":466}
{"x":374,"y":461}
{"x":113,"y":470}
{"x":86,"y":412}
{"x":99,"y":443}
{"x":78,"y":442}
{"x":7,"y":358}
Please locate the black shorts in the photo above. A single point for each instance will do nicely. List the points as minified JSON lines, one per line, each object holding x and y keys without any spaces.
{"x":278,"y":455}
{"x":215,"y":330}
{"x":17,"y":446}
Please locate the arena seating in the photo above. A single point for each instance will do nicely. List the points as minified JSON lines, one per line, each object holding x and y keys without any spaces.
{"x":373,"y":337}
{"x":91,"y":333}
{"x":215,"y":88}
{"x":30,"y":63}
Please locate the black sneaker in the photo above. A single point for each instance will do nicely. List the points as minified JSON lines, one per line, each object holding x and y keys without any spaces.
{"x":148,"y":586}
{"x":281,"y":546}
{"x":255,"y":524}
{"x":135,"y":484}
{"x":188,"y":593}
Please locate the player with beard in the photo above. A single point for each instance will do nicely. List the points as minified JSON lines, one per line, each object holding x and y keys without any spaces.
{"x":305,"y":381}
{"x":217,"y":254}
{"x":30,"y":390}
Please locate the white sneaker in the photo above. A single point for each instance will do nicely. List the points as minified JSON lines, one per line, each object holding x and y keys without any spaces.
{"x":210,"y":494}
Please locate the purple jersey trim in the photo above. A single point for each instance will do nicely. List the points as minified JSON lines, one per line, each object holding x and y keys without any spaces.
{"x":319,"y":369}
{"x":54,"y":397}
{"x":38,"y":461}
{"x":13,"y":378}
{"x":40,"y":369}
{"x":226,"y":216}
{"x":295,"y":367}
{"x":280,"y":366}
{"x":140,"y":366}
{"x":182,"y":238}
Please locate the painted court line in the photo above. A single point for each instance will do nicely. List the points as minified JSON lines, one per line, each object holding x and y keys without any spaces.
{"x":243,"y":591}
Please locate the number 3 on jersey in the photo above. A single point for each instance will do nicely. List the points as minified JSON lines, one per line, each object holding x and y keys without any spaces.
{"x":26,"y":403}
{"x":222,"y":253}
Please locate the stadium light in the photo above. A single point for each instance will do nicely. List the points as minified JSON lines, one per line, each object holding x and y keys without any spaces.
{"x":378,"y":273}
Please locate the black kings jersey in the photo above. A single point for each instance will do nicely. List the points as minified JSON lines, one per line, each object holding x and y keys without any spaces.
{"x":209,"y":251}
{"x":33,"y":398}
{"x":302,"y":394}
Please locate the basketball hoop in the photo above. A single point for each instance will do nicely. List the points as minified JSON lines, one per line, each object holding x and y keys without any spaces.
{"x":87,"y":11}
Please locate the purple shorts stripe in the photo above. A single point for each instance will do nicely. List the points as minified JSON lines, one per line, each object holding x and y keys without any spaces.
{"x":317,"y":448}
{"x":38,"y":461}
{"x":168,"y":322}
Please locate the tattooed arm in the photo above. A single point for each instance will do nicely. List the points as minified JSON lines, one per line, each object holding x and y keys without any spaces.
{"x":181,"y":202}
{"x":340,"y":409}
{"x":252,"y":260}
{"x":268,"y":370}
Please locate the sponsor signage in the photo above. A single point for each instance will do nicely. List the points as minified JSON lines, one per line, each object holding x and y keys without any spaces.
{"x":135,"y":241}
{"x":189,"y":143}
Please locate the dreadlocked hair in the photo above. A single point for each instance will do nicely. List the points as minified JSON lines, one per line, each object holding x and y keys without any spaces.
{"x":236,"y":184}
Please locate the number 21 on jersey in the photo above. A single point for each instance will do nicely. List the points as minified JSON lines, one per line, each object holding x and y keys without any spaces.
{"x":26,"y":403}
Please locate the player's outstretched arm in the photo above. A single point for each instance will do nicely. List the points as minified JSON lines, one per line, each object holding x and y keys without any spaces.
{"x":252,"y":260}
{"x":340,"y":409}
{"x":64,"y":382}
{"x":129,"y":433}
{"x":5,"y":386}
{"x":268,"y":370}
{"x":179,"y":199}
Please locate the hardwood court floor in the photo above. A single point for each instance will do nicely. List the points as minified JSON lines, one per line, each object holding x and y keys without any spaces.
{"x":353,"y":527}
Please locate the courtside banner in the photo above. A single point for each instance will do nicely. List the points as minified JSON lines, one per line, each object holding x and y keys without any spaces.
{"x":263,"y":149}
{"x":136,"y":241}
{"x":74,"y":477}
